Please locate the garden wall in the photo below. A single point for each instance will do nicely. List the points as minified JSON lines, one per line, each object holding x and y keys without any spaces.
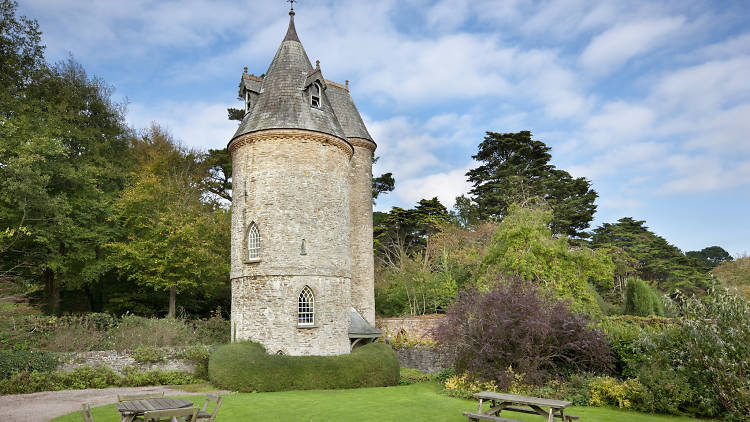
{"x":426,"y":358}
{"x":413,"y":328}
{"x":119,"y":361}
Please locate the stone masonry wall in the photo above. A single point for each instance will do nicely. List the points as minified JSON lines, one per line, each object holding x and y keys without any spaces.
{"x":294,"y":185}
{"x":360,"y":197}
{"x":118,"y":361}
{"x":416,"y":328}
{"x":424,"y":358}
{"x":264,"y":309}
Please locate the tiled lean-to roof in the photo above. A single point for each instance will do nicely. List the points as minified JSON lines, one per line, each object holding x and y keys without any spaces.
{"x":283,"y":102}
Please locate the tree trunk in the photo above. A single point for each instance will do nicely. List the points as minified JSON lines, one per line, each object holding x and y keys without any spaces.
{"x":53,"y":292}
{"x":172,"y":301}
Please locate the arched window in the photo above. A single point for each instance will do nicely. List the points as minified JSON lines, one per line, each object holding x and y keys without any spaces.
{"x":306,"y":308}
{"x":253,"y":242}
{"x":315,"y":95}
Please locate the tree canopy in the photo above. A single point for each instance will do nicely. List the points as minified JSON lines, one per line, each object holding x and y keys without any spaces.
{"x":656,"y":259}
{"x":524,"y":246}
{"x":515,"y":169}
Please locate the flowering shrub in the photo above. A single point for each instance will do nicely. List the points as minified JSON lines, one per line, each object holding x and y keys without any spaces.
{"x":463,"y":386}
{"x":607,"y":391}
{"x":702,"y":365}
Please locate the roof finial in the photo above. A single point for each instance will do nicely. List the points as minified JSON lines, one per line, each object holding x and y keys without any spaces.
{"x":291,"y":6}
{"x":317,"y":64}
{"x":245,"y":70}
{"x":347,"y":84}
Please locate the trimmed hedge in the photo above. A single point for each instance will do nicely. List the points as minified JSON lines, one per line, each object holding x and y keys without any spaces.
{"x":246,"y":367}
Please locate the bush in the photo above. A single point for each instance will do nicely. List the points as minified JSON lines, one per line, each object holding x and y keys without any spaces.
{"x":702,"y":364}
{"x":148,"y":354}
{"x":606,"y":391}
{"x":641,"y":299}
{"x":88,"y":377}
{"x":625,"y":332}
{"x":13,"y":362}
{"x":246,"y":367}
{"x":413,"y":376}
{"x":517,"y":326}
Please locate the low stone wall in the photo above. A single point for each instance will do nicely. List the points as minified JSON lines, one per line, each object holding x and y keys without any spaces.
{"x":412,"y":328}
{"x":423,"y":357}
{"x":118,"y":361}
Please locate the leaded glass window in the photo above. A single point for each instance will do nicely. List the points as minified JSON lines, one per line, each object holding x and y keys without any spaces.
{"x":306,"y":307}
{"x":253,"y":242}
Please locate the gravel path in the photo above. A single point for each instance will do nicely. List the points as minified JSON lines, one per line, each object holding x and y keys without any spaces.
{"x":41,"y":407}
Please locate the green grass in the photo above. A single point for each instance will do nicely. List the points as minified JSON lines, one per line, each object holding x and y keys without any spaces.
{"x":417,"y":402}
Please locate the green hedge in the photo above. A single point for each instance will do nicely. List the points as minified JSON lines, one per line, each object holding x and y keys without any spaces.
{"x":246,"y":367}
{"x":13,"y":362}
{"x":641,"y":299}
{"x":88,"y":377}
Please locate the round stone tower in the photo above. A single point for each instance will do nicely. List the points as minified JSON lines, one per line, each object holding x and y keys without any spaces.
{"x":298,"y":183}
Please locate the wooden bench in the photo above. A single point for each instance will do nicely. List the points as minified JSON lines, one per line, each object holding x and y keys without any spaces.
{"x":549,"y":409}
{"x":473,"y":416}
{"x":567,"y":417}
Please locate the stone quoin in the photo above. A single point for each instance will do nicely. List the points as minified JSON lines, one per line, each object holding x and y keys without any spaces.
{"x":302,"y":262}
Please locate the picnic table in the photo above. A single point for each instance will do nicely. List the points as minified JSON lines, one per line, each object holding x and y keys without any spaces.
{"x":129,"y":410}
{"x":498,"y":402}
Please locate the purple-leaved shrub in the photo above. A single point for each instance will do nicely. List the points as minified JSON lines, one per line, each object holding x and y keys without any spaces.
{"x":516,"y":330}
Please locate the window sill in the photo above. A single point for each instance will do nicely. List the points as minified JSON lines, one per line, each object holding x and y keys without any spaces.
{"x":252,"y":260}
{"x":307,"y":326}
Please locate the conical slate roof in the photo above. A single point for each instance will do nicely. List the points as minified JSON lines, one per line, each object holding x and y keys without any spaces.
{"x":346,"y":112}
{"x":283,"y":102}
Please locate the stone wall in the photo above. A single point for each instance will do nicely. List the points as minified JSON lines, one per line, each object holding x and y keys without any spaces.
{"x":360,"y":196}
{"x":422,"y":357}
{"x":414,"y":328}
{"x":294,"y":185}
{"x":118,"y":361}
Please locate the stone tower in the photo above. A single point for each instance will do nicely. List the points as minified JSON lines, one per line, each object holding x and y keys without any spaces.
{"x":302,"y":262}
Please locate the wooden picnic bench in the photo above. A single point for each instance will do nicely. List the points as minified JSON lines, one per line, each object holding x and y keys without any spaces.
{"x":555,"y":409}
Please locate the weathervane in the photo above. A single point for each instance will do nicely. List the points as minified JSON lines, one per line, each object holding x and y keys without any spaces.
{"x":291,"y":4}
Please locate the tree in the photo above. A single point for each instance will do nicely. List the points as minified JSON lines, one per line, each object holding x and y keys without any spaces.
{"x":524,"y":246}
{"x":173,"y":240}
{"x":657,"y":260}
{"x":218,"y":180}
{"x":63,"y":154}
{"x":710,"y":257}
{"x":516,"y":169}
{"x":406,"y":232}
{"x":382,"y":184}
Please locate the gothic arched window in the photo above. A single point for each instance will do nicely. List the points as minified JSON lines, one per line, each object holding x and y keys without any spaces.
{"x":315,"y":95}
{"x":306,"y":308}
{"x":253,"y":242}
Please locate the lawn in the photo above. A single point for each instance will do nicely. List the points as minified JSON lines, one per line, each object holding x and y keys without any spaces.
{"x":418,"y":402}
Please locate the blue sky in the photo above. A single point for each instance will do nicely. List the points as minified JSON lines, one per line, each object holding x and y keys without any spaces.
{"x":650,"y":100}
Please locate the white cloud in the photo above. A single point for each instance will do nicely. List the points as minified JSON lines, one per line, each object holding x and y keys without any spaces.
{"x":446,"y":186}
{"x":614,"y":47}
{"x":619,"y":122}
{"x":197,"y":124}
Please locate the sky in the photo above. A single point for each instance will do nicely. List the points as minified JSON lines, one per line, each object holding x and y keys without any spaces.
{"x":649,"y":100}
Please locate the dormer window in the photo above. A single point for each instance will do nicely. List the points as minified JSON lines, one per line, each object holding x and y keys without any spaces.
{"x":247,"y":101}
{"x":315,"y":95}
